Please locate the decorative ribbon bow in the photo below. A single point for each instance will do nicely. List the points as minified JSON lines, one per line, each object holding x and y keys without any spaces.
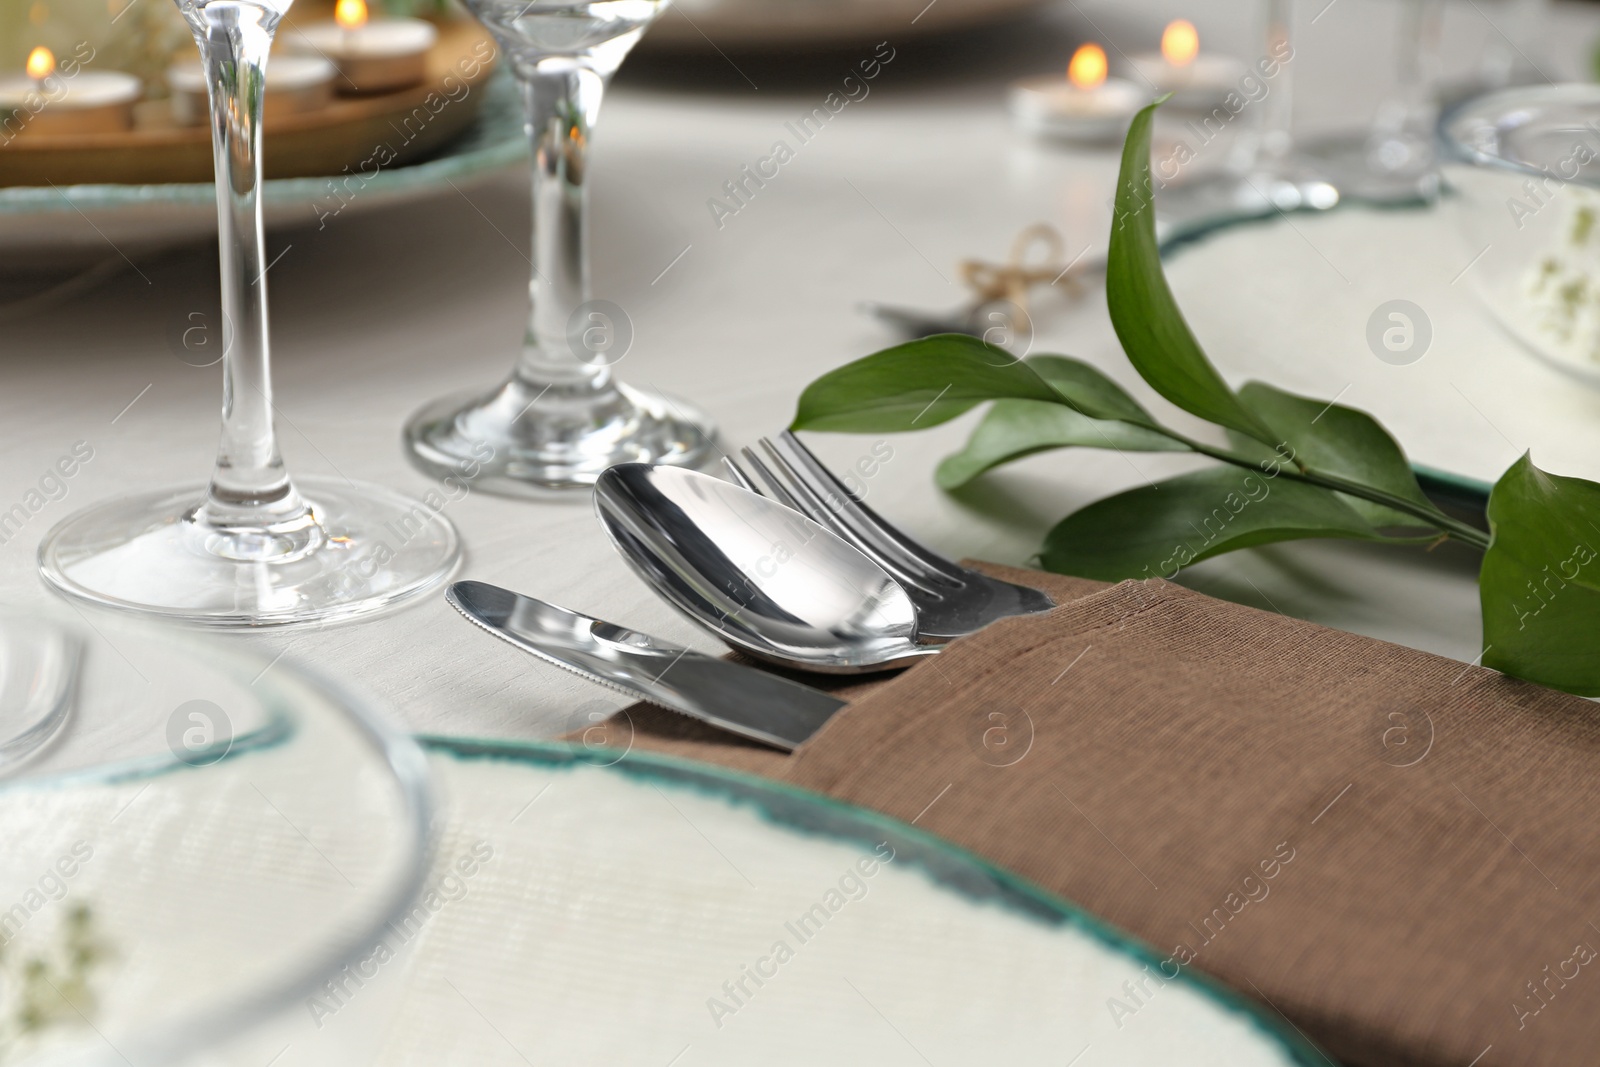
{"x":1011,"y":281}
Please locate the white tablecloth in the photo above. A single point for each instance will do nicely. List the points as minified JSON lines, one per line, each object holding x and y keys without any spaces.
{"x":375,"y":315}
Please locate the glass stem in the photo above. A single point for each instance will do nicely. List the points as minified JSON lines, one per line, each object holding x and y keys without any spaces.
{"x":250,"y":490}
{"x":1278,"y":108}
{"x":1410,"y":113}
{"x":1264,"y":147}
{"x":563,"y":101}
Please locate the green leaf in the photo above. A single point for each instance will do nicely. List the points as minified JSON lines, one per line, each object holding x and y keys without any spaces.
{"x":1540,"y":583}
{"x":1087,"y":389}
{"x":1146,"y":317}
{"x":1349,"y":444}
{"x":1011,"y":429}
{"x":1153,"y":531}
{"x":916,"y":385}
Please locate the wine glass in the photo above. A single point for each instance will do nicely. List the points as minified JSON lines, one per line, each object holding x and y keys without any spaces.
{"x":1264,"y":174}
{"x":249,"y":549}
{"x":1514,"y":53}
{"x":1392,"y":161}
{"x":561,"y":418}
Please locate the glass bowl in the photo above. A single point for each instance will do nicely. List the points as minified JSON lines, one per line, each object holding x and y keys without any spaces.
{"x":1522,"y":174}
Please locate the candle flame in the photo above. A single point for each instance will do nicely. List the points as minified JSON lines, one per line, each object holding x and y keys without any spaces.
{"x":1180,"y":43}
{"x":1088,"y":67}
{"x":41,"y":63}
{"x":350,"y":14}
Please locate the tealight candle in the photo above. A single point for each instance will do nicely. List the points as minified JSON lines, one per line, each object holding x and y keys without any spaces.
{"x":295,"y":84}
{"x":372,"y":57}
{"x":46,"y":102}
{"x":1084,"y":106}
{"x":1197,"y":82}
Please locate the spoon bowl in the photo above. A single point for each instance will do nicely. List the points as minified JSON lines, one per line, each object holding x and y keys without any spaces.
{"x":761,"y":577}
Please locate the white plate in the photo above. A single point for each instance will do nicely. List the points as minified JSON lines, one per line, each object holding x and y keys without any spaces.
{"x":656,"y":912}
{"x":1291,"y":302}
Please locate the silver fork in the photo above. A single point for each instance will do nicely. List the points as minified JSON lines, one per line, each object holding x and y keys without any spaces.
{"x":951,"y":600}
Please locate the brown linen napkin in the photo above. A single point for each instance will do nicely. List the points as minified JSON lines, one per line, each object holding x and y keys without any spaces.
{"x":1393,"y":850}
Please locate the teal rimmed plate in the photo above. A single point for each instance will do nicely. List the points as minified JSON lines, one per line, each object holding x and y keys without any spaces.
{"x":1293,"y":327}
{"x":590,"y":908}
{"x":1457,"y":489}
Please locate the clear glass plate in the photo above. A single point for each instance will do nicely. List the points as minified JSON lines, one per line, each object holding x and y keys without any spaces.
{"x":209,"y":840}
{"x":38,"y":675}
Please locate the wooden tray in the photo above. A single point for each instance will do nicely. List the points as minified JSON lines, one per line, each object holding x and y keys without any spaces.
{"x":355,"y":133}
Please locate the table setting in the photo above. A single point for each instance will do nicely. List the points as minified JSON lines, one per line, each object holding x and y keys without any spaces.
{"x":1008,"y":532}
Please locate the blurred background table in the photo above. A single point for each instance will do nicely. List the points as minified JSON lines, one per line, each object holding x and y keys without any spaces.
{"x":376,"y":312}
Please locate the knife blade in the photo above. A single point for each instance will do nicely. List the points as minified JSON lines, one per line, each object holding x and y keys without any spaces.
{"x":730,"y":696}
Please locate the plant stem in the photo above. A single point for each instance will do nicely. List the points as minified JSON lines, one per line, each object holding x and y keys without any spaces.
{"x":1454,"y":527}
{"x":1428,"y":516}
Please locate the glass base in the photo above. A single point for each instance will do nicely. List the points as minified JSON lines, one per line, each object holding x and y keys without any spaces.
{"x":522,"y":441}
{"x":370,"y":548}
{"x":1395,"y":171}
{"x":1210,"y":201}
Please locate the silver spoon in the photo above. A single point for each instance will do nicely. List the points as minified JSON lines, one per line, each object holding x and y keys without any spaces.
{"x":764,"y":579}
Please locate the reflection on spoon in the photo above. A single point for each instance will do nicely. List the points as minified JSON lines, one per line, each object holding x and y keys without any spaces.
{"x":761,"y":577}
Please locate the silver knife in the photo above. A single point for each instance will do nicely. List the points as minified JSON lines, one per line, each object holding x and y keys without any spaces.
{"x":729,"y":696}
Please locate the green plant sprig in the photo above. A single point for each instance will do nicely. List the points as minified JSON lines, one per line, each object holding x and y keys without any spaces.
{"x":1427,"y":515}
{"x":1297,"y":467}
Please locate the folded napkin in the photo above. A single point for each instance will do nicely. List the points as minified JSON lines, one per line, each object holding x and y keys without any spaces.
{"x":1391,"y":849}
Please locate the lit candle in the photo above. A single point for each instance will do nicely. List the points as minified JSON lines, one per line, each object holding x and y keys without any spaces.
{"x":40,"y":65}
{"x":1196,"y":82}
{"x":295,"y":84}
{"x":1084,"y":106}
{"x":372,"y":56}
{"x":46,"y":102}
